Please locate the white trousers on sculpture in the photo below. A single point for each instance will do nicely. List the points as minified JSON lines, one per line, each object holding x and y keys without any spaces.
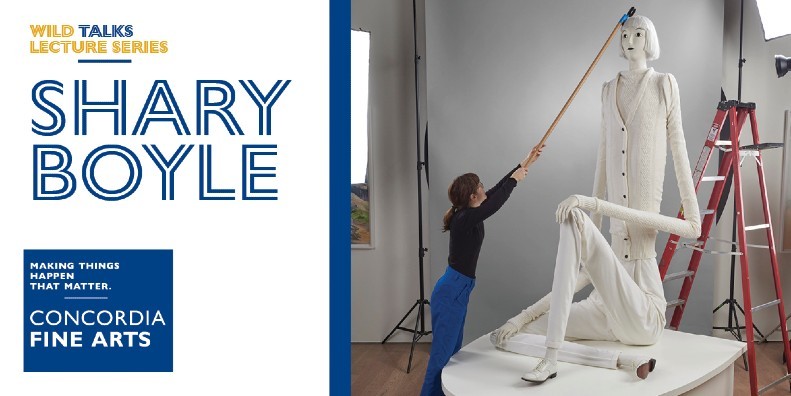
{"x":533,"y":345}
{"x":618,"y":310}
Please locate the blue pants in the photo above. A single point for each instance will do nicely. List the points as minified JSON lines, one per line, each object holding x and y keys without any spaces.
{"x":448,"y":310}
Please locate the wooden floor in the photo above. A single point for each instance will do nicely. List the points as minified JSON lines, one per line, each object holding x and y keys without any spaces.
{"x":380,"y":369}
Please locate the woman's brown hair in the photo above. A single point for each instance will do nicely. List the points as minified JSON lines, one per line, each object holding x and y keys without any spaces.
{"x":459,"y":193}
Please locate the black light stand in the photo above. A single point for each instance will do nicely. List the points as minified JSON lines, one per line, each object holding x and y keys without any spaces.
{"x":420,"y":323}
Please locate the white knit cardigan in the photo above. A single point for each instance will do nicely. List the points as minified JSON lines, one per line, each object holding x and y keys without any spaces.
{"x":630,"y":168}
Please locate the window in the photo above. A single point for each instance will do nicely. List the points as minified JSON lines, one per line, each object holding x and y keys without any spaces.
{"x":361,"y":169}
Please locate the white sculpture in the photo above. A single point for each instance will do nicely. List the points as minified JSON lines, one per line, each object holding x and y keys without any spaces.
{"x":641,"y":116}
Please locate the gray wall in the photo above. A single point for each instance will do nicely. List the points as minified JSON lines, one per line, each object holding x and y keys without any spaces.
{"x":385,"y":279}
{"x":772,"y":97}
{"x":498,"y":72}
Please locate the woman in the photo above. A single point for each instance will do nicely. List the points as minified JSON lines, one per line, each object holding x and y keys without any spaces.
{"x":471,"y":205}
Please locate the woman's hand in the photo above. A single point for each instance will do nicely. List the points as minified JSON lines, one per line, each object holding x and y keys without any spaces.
{"x":519,"y":174}
{"x":532,"y":157}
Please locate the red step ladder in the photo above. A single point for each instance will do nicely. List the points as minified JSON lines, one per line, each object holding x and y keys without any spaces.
{"x":736,"y":114}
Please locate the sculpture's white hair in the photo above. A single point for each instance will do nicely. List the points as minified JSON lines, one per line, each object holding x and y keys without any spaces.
{"x":651,"y":40}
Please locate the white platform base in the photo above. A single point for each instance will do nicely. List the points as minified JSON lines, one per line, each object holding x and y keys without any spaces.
{"x":687,"y":364}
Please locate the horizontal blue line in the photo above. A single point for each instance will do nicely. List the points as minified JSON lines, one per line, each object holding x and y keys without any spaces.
{"x":104,"y":61}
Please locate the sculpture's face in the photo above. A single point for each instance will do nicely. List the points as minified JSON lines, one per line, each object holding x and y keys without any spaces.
{"x":633,"y":43}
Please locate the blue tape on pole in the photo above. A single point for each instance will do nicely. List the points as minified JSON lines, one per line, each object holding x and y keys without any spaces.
{"x":623,"y":18}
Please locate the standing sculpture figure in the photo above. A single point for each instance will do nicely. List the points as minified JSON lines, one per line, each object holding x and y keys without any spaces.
{"x":641,"y":116}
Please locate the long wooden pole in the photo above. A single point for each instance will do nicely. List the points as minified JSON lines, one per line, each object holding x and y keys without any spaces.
{"x":585,"y":77}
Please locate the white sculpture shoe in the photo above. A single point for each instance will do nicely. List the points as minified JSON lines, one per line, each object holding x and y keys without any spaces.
{"x":638,"y":366}
{"x":543,"y":371}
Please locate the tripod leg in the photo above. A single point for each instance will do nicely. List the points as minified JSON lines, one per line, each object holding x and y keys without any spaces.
{"x":775,"y":329}
{"x":736,"y":331}
{"x":416,"y":336}
{"x":719,"y":306}
{"x":423,"y":317}
{"x":402,"y":321}
{"x":754,"y":327}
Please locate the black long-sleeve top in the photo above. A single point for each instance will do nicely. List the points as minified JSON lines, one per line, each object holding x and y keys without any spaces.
{"x":466,"y":227}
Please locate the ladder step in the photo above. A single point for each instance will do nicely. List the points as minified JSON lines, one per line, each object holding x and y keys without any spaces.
{"x":734,"y":243}
{"x":783,"y":378}
{"x":722,"y":143}
{"x":694,"y":247}
{"x":767,"y":305}
{"x":748,"y":153}
{"x":756,"y":227}
{"x":712,"y":178}
{"x":761,"y":146}
{"x":704,"y":212}
{"x":677,"y":275}
{"x":675,"y":303}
